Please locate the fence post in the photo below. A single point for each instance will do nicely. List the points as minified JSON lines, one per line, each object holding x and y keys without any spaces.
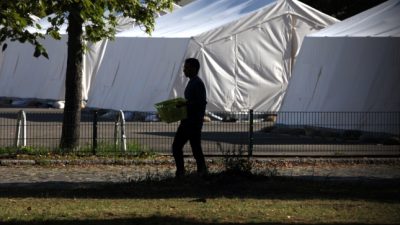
{"x":120,"y":120}
{"x":251,"y":137}
{"x":95,"y":120}
{"x":398,"y":121}
{"x":21,"y":129}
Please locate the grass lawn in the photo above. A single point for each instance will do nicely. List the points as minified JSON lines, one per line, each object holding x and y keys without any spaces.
{"x":223,"y":198}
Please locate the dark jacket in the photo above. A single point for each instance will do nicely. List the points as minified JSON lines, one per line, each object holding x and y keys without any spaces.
{"x":195,"y":94}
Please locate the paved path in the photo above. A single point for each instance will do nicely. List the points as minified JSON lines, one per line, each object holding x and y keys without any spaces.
{"x":12,"y":175}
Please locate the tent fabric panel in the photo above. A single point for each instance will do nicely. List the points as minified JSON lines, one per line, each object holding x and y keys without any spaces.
{"x":141,"y":73}
{"x":350,"y":81}
{"x":262,"y":68}
{"x":24,"y":76}
{"x":218,"y":70}
{"x":352,"y":67}
{"x":346,"y":74}
{"x":91,"y":62}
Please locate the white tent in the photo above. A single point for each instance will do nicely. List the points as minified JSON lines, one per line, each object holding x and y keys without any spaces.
{"x":352,"y":66}
{"x":246,"y":49}
{"x":24,"y":76}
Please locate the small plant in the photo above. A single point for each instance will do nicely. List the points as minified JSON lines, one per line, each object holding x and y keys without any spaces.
{"x":235,"y":161}
{"x":31,"y":150}
{"x":7,"y":150}
{"x":17,"y":150}
{"x":27,"y":150}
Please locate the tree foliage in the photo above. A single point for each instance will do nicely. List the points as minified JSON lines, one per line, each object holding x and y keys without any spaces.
{"x":15,"y":16}
{"x":99,"y":18}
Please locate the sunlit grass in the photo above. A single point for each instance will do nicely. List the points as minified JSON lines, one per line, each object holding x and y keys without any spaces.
{"x":222,"y":198}
{"x":215,"y":210}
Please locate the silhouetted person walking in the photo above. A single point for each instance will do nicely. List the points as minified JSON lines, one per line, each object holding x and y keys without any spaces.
{"x":190,"y":128}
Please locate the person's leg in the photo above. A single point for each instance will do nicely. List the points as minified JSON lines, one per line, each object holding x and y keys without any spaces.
{"x":180,"y":140}
{"x":195,"y":143}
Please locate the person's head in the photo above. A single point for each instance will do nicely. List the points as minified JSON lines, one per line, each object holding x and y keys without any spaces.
{"x":191,"y":67}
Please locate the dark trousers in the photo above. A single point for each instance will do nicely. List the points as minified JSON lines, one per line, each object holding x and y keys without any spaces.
{"x":188,"y":132}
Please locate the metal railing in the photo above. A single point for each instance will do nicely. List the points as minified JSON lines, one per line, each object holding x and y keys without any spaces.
{"x":253,"y":133}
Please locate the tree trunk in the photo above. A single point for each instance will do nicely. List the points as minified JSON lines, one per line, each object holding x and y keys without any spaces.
{"x":73,"y":82}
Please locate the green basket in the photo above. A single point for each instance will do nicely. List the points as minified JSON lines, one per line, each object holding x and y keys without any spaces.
{"x":169,"y":112}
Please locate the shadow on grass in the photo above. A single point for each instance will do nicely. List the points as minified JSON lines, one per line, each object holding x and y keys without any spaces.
{"x":222,"y":184}
{"x":154,"y":220}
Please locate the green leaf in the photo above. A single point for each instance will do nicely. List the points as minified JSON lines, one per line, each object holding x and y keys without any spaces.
{"x":40,"y":50}
{"x":22,"y":39}
{"x":3,"y":37}
{"x":45,"y":55}
{"x":55,"y":34}
{"x":36,"y":53}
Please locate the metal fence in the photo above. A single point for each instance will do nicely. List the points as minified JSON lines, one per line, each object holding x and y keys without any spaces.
{"x":250,"y":133}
